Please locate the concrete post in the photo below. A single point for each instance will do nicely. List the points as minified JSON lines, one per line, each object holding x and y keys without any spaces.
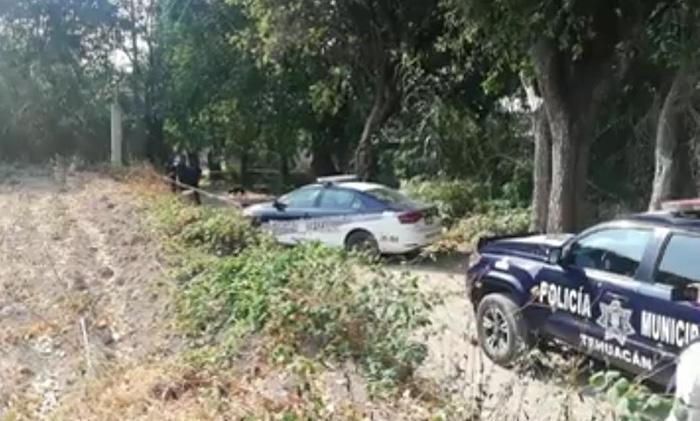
{"x":116,"y":134}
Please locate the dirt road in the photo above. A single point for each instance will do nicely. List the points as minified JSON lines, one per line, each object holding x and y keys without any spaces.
{"x":82,"y":287}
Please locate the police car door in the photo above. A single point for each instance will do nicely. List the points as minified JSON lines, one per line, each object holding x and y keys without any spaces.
{"x":337,"y":208}
{"x":611,"y":259}
{"x":289,"y":223}
{"x":670,"y":320}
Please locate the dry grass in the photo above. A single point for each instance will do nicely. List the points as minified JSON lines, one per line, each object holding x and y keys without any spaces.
{"x":152,"y":391}
{"x":170,"y":390}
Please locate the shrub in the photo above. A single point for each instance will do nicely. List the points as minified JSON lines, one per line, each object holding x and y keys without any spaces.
{"x":221,"y":231}
{"x":311,"y":300}
{"x":465,"y":233}
{"x":458,"y":198}
{"x":453,"y":198}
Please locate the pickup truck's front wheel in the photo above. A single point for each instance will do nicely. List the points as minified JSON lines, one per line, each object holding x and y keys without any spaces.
{"x":501,"y":329}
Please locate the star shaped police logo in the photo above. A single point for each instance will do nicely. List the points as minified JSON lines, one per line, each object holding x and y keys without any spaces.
{"x":615,"y":319}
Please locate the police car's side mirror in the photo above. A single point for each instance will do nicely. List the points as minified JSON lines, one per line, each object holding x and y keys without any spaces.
{"x":279,"y":205}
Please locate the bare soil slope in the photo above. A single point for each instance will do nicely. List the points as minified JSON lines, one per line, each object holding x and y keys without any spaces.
{"x":82,"y":286}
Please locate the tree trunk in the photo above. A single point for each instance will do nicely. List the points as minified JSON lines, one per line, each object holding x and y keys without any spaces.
{"x":322,"y":158}
{"x":542,"y":174}
{"x":155,"y":141}
{"x":669,"y":152}
{"x":245,"y":183}
{"x":572,"y":92}
{"x":364,"y":155}
{"x":563,"y":195}
{"x":542,"y":171}
{"x":386,"y":103}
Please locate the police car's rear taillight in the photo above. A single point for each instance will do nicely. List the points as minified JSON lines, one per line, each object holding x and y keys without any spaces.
{"x":682,"y":206}
{"x":410,"y":217}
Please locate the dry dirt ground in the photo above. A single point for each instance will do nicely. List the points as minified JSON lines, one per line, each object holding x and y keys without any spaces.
{"x":81,"y":285}
{"x":83,"y":290}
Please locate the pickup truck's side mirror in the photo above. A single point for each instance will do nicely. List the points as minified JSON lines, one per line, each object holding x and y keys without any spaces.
{"x":555,"y":256}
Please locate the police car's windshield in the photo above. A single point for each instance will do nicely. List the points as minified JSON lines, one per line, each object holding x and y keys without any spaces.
{"x":392,"y":197}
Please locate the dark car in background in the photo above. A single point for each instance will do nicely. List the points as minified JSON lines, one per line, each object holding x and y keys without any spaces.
{"x":624,"y":291}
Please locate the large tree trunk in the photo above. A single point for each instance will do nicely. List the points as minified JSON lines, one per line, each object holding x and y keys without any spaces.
{"x":386,"y":103}
{"x":364,"y":155}
{"x":155,"y":140}
{"x":672,"y":161}
{"x":542,"y":174}
{"x":567,"y":134}
{"x":542,"y":171}
{"x":572,"y":91}
{"x":563,"y":198}
{"x":322,"y":163}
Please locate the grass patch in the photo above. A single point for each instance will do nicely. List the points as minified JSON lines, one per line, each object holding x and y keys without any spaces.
{"x":312,"y":301}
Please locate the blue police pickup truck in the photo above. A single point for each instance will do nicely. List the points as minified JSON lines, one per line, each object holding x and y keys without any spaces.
{"x":625,"y":291}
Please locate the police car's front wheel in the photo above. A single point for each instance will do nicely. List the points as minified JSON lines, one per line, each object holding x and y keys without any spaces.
{"x":501,"y":329}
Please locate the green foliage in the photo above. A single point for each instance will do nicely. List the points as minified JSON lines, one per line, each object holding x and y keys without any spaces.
{"x":633,"y":401}
{"x":310,"y":300}
{"x":496,"y":221}
{"x":220,"y":231}
{"x":443,"y":135}
{"x":458,"y":198}
{"x":55,"y":78}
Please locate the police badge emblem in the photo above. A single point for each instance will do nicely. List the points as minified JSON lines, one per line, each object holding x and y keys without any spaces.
{"x":616,"y":320}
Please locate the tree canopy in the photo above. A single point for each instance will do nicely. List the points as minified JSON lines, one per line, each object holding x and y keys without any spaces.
{"x":575,"y":106}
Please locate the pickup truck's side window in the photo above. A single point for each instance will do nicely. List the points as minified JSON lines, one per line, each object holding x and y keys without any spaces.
{"x":679,"y":264}
{"x":614,"y":250}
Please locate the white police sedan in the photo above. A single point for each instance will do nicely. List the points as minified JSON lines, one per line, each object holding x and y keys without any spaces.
{"x":340,"y":211}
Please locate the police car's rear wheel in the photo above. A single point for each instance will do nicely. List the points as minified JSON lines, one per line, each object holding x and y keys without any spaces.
{"x":362,"y":241}
{"x":501,"y":329}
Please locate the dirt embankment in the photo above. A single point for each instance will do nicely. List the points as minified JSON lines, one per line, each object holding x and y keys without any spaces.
{"x":82,"y":286}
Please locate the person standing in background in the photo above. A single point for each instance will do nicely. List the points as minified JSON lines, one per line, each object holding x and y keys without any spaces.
{"x":171,"y":171}
{"x":189,"y":173}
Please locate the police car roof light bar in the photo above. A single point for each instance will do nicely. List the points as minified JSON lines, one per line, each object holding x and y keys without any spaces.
{"x":686,"y":206}
{"x":337,"y":179}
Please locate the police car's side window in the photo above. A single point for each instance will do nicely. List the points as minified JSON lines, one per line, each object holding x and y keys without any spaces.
{"x":615,"y":250}
{"x":679,"y":264}
{"x":302,"y":198}
{"x":339,"y":199}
